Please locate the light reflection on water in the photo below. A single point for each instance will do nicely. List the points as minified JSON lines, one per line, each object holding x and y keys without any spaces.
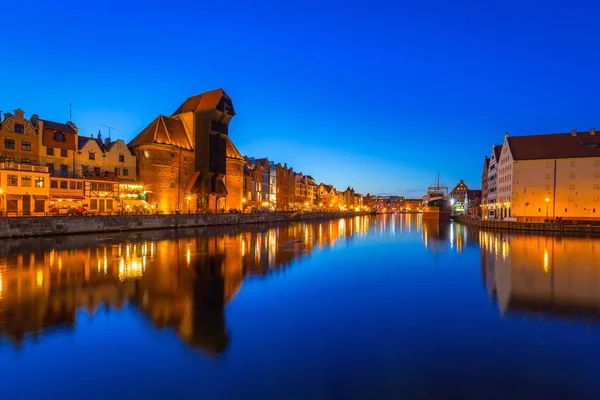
{"x":367,"y":306}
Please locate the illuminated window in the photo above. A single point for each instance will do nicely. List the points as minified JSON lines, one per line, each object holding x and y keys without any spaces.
{"x":39,"y":182}
{"x":25,"y":145}
{"x":146,"y":153}
{"x":13,"y":180}
{"x":26,"y":181}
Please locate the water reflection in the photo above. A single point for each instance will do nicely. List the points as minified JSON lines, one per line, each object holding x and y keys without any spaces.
{"x":177,"y":279}
{"x":549,"y":275}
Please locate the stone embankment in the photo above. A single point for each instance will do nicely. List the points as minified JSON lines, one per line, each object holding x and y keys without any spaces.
{"x":552,"y":227}
{"x":46,"y":226}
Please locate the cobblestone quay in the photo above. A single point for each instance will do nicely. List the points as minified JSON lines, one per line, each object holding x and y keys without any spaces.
{"x":46,"y":226}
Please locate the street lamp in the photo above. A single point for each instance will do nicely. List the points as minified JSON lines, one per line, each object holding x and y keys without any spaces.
{"x":122,"y":203}
{"x":547,"y":201}
{"x":188,"y":200}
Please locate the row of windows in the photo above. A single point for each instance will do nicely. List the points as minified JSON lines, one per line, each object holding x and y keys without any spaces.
{"x":26,"y":180}
{"x":10,"y":144}
{"x":50,"y":152}
{"x":87,"y":168}
{"x":550,"y":164}
{"x":74,"y":185}
{"x":572,"y":175}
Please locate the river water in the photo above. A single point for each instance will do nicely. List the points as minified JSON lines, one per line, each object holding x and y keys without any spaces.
{"x":366,"y":308}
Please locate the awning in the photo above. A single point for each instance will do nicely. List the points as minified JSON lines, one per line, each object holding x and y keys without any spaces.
{"x":68,"y":198}
{"x":136,"y":202}
{"x":40,"y":197}
{"x":12,"y":196}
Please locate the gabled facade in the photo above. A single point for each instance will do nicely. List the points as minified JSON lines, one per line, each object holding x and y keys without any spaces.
{"x":484,"y":179}
{"x":20,"y":141}
{"x":490,"y":211}
{"x":183,"y":159}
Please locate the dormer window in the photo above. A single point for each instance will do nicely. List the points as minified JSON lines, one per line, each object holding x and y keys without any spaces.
{"x":92,"y":156}
{"x":59,"y":137}
{"x":19,"y":128}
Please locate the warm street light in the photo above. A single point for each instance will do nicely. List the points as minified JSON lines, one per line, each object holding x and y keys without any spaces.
{"x":188,"y":199}
{"x":122,"y":203}
{"x":547,"y":201}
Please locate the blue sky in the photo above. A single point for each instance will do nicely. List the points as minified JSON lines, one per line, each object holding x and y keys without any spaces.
{"x":378,"y":95}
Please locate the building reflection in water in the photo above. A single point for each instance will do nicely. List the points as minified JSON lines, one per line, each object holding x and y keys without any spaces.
{"x":179,"y":279}
{"x":551,"y":275}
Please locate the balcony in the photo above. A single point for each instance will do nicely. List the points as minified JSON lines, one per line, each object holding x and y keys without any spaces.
{"x":23,"y":167}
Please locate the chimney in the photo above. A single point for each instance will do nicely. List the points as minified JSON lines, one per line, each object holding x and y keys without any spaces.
{"x":107,"y":141}
{"x":19,"y":113}
{"x":592,"y":131}
{"x":7,"y":115}
{"x":573,"y":132}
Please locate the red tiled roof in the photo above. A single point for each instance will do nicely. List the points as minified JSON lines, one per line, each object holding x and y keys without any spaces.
{"x":497,"y":151}
{"x":203,"y":101}
{"x":163,"y":130}
{"x":556,"y":145}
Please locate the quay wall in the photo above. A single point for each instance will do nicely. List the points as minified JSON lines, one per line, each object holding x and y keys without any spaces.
{"x":14,"y":227}
{"x":555,"y":227}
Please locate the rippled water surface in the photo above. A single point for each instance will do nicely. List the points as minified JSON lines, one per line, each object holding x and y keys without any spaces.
{"x":369,"y":307}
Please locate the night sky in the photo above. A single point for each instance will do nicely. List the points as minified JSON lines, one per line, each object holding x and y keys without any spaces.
{"x":378,"y":95}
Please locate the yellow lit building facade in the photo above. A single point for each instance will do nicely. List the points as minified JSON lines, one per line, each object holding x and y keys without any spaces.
{"x":549,"y":176}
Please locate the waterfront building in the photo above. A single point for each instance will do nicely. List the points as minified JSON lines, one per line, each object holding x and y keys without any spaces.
{"x":260,"y":171}
{"x":311,"y":191}
{"x":550,"y":176}
{"x":484,"y":180}
{"x":348,"y":197}
{"x":272,"y":184}
{"x":23,"y":189}
{"x":412,"y":205}
{"x":300,"y":199}
{"x":20,"y":139}
{"x":183,"y":159}
{"x":326,"y":195}
{"x":285,"y":186}
{"x":459,"y":192}
{"x":492,"y":190}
